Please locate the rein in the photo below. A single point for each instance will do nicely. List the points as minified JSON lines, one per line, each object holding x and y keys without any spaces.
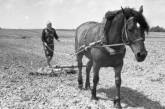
{"x":99,"y":44}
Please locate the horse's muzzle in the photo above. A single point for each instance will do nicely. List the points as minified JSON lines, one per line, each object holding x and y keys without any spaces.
{"x":140,"y":56}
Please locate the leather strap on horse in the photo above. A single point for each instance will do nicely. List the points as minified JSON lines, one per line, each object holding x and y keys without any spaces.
{"x":100,"y":43}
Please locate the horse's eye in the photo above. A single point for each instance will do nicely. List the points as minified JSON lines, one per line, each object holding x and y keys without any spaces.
{"x":131,"y":29}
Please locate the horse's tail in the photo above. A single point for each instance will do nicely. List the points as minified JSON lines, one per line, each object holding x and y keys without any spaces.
{"x":81,"y":32}
{"x":76,"y":39}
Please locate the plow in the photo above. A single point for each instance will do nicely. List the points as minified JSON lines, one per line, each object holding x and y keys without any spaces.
{"x":69,"y":69}
{"x":56,"y":70}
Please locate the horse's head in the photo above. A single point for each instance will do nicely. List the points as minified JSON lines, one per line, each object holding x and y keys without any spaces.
{"x":134,"y":30}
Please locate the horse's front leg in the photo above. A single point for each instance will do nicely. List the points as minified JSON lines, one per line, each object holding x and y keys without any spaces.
{"x":118,"y":85}
{"x":96,"y":69}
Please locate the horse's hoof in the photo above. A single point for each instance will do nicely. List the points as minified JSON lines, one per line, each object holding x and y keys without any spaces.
{"x":117,"y":106}
{"x":94,"y":98}
{"x":87,"y":87}
{"x":80,"y":87}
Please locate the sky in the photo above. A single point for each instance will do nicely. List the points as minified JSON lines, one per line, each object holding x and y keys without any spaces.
{"x":69,"y":14}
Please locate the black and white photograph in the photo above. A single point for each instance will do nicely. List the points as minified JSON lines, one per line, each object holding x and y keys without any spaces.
{"x":82,"y":54}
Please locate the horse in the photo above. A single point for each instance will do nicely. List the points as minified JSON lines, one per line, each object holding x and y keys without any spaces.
{"x":124,"y":27}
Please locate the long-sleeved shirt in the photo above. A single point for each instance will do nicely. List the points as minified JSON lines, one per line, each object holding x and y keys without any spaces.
{"x":48,"y":35}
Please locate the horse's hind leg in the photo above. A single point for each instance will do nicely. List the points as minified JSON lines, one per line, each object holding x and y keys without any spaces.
{"x":80,"y":79}
{"x":96,"y":69}
{"x":88,"y":69}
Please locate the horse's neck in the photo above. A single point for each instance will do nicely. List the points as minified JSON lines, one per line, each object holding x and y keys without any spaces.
{"x":115,"y":32}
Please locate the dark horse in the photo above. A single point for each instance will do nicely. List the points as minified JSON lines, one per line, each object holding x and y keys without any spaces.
{"x":123,"y":27}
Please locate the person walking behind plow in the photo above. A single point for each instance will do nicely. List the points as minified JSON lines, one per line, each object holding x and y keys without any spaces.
{"x":48,"y":35}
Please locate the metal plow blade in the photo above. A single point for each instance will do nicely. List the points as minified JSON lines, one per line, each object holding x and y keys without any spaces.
{"x":55,"y":70}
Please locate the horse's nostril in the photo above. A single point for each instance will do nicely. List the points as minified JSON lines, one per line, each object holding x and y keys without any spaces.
{"x":138,"y":54}
{"x":141,"y":55}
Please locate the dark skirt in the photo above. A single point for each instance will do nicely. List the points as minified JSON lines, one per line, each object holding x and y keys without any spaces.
{"x":49,"y":50}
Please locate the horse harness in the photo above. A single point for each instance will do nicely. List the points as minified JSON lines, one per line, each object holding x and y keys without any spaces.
{"x":100,"y":43}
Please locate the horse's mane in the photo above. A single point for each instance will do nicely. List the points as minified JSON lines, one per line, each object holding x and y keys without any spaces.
{"x":128,"y":12}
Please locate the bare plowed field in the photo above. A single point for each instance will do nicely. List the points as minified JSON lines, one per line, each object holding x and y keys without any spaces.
{"x":143,"y":84}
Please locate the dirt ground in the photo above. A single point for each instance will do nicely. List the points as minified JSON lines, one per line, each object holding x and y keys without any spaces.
{"x":143,"y":84}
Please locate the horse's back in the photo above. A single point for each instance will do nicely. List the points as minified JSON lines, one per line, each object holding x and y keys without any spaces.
{"x":81,"y":33}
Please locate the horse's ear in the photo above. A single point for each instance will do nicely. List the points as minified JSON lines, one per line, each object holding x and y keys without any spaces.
{"x":123,"y":11}
{"x":141,"y":9}
{"x":107,"y":14}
